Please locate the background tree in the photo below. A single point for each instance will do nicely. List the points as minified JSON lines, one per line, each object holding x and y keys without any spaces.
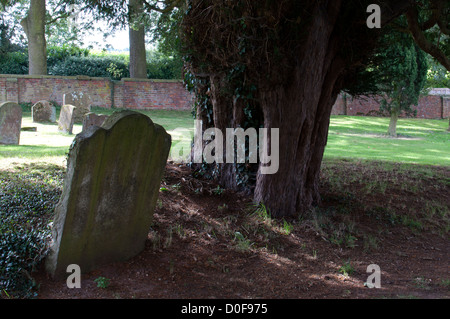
{"x":138,"y":57}
{"x":34,"y":27}
{"x":404,"y":69}
{"x":137,"y":15}
{"x":38,"y":23}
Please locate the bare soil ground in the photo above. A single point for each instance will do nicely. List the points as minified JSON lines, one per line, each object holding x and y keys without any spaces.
{"x":207,"y":242}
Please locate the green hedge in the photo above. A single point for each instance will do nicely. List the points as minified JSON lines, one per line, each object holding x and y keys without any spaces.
{"x":71,"y":61}
{"x":90,"y":66}
{"x":14,"y":63}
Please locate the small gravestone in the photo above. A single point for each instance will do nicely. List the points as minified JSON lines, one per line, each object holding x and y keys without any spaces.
{"x":81,"y":101}
{"x":10,"y":123}
{"x":66,"y":119}
{"x":110,"y":192}
{"x":92,"y":119}
{"x":43,"y":112}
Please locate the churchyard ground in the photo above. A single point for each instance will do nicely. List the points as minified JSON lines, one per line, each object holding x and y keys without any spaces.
{"x":384,"y":201}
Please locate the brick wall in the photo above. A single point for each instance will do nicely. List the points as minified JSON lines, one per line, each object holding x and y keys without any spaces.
{"x":169,"y":94}
{"x":142,"y":94}
{"x":433,"y":106}
{"x":128,"y":93}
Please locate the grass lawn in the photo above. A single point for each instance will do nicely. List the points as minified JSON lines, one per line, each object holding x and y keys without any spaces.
{"x":420,"y":141}
{"x":50,"y":146}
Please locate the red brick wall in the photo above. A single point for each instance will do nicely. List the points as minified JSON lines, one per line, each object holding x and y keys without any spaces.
{"x":142,"y":94}
{"x":167,"y":94}
{"x":128,"y":93}
{"x":432,"y":106}
{"x":339,"y":108}
{"x":10,"y":89}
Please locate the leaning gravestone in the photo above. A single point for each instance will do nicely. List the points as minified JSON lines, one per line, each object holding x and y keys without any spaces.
{"x":92,"y":119}
{"x":66,"y":119}
{"x":81,"y":101}
{"x":43,"y":112}
{"x":109,"y":194}
{"x":10,"y":123}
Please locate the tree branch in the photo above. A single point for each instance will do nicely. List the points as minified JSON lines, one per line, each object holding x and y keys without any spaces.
{"x":412,"y":16}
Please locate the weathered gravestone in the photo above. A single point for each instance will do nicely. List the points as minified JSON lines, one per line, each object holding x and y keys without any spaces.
{"x":66,"y":119}
{"x":92,"y":119}
{"x":109,"y":194}
{"x":10,"y":123}
{"x":81,"y":101}
{"x":43,"y":112}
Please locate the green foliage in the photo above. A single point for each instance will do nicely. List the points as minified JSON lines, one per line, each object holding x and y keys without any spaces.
{"x":347,"y":269}
{"x":438,"y":76}
{"x":72,"y":61}
{"x":57,"y":54}
{"x":102,"y":282}
{"x":14,"y":63}
{"x":162,"y":66}
{"x":90,"y":66}
{"x":403,"y":70}
{"x":26,"y":201}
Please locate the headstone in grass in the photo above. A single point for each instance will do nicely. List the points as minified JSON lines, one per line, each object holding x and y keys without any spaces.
{"x":92,"y":119}
{"x":109,"y":193}
{"x":66,"y":119}
{"x":43,"y":112}
{"x":10,"y":123}
{"x":81,"y":101}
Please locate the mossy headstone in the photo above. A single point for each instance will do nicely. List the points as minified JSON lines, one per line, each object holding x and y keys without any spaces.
{"x":43,"y":112}
{"x":81,"y":101}
{"x":92,"y":119}
{"x":10,"y":123}
{"x":109,"y":194}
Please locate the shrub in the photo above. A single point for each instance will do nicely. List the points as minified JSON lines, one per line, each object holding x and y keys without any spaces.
{"x":90,"y":66}
{"x":59,"y":54}
{"x":163,"y":67}
{"x":14,"y":63}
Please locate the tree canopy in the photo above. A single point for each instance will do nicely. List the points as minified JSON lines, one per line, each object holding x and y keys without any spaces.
{"x":403,"y":71}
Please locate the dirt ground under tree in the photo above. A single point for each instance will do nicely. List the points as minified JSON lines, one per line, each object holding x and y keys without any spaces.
{"x":207,"y":242}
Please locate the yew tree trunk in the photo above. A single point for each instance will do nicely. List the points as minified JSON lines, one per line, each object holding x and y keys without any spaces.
{"x":392,"y":131}
{"x":301,"y":110}
{"x":34,"y":27}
